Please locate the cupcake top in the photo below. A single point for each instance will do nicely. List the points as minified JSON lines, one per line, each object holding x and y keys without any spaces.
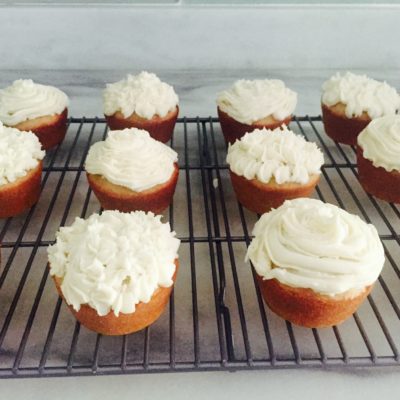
{"x":132,"y":158}
{"x":306,"y":243}
{"x":360,"y":94}
{"x":143,"y":94}
{"x":277,"y":154}
{"x":25,"y":100}
{"x":249,"y":101}
{"x":19,"y":153}
{"x":114,"y":260}
{"x":380,"y":142}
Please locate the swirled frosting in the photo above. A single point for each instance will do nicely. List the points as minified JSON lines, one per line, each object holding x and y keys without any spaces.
{"x":249,"y":101}
{"x":144,"y":94}
{"x":380,"y":142}
{"x":19,"y":153}
{"x":133,"y":159}
{"x":306,"y":243}
{"x":114,"y":260}
{"x":25,"y":100}
{"x":360,"y":94}
{"x":277,"y":154}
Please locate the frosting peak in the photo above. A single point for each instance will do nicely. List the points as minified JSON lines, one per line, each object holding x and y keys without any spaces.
{"x":360,"y":94}
{"x":277,"y":154}
{"x":310,"y":244}
{"x":144,"y":94}
{"x":25,"y":100}
{"x":19,"y":153}
{"x":114,"y":260}
{"x":248,"y":101}
{"x":133,"y":159}
{"x":380,"y":142}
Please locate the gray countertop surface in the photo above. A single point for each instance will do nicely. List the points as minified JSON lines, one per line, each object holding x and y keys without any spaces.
{"x":197,"y":91}
{"x":282,"y":384}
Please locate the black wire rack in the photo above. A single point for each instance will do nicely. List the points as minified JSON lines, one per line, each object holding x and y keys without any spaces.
{"x":216,"y":319}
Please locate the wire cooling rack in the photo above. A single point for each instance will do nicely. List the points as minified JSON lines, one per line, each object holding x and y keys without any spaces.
{"x":216,"y":319}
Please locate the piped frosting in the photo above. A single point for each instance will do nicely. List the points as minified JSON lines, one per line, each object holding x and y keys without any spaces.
{"x":144,"y":94}
{"x":306,"y":243}
{"x":20,"y":152}
{"x":360,"y":94}
{"x":248,"y":101}
{"x":380,"y":142}
{"x":132,"y":158}
{"x":114,"y":261}
{"x":25,"y":100}
{"x":277,"y":154}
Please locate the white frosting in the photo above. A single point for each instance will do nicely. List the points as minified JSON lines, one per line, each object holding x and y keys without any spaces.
{"x":133,"y":159}
{"x":20,"y":152}
{"x":25,"y":100}
{"x":309,"y":244}
{"x":380,"y":142}
{"x":249,"y":101}
{"x":143,"y":94}
{"x":360,"y":94}
{"x":114,"y":260}
{"x":279,"y":154}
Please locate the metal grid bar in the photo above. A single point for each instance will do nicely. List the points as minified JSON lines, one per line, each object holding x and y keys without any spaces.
{"x":368,"y":339}
{"x":242,"y":317}
{"x":172,"y":337}
{"x":192,"y":254}
{"x":261,"y":305}
{"x":203,"y":151}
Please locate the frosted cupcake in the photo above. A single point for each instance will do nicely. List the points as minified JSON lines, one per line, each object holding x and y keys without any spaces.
{"x":142,"y":101}
{"x":131,"y":171}
{"x":255,"y":104}
{"x":268,"y":167}
{"x":315,"y":262}
{"x":378,"y":158}
{"x":41,"y":109}
{"x":350,"y":102}
{"x":20,"y":171}
{"x":115,"y":270}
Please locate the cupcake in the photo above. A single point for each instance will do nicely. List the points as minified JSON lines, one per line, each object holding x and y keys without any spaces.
{"x":115,"y":270}
{"x":268,"y":167}
{"x":378,"y":158}
{"x":257,"y":104}
{"x":350,"y":102}
{"x":131,"y":171}
{"x":20,"y":171}
{"x":142,"y":101}
{"x":315,"y":262}
{"x":41,"y":109}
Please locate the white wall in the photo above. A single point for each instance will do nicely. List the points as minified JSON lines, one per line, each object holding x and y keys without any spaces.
{"x":168,"y":37}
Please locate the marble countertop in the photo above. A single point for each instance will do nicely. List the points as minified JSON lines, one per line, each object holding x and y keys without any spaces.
{"x":197,"y":91}
{"x":254,"y":385}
